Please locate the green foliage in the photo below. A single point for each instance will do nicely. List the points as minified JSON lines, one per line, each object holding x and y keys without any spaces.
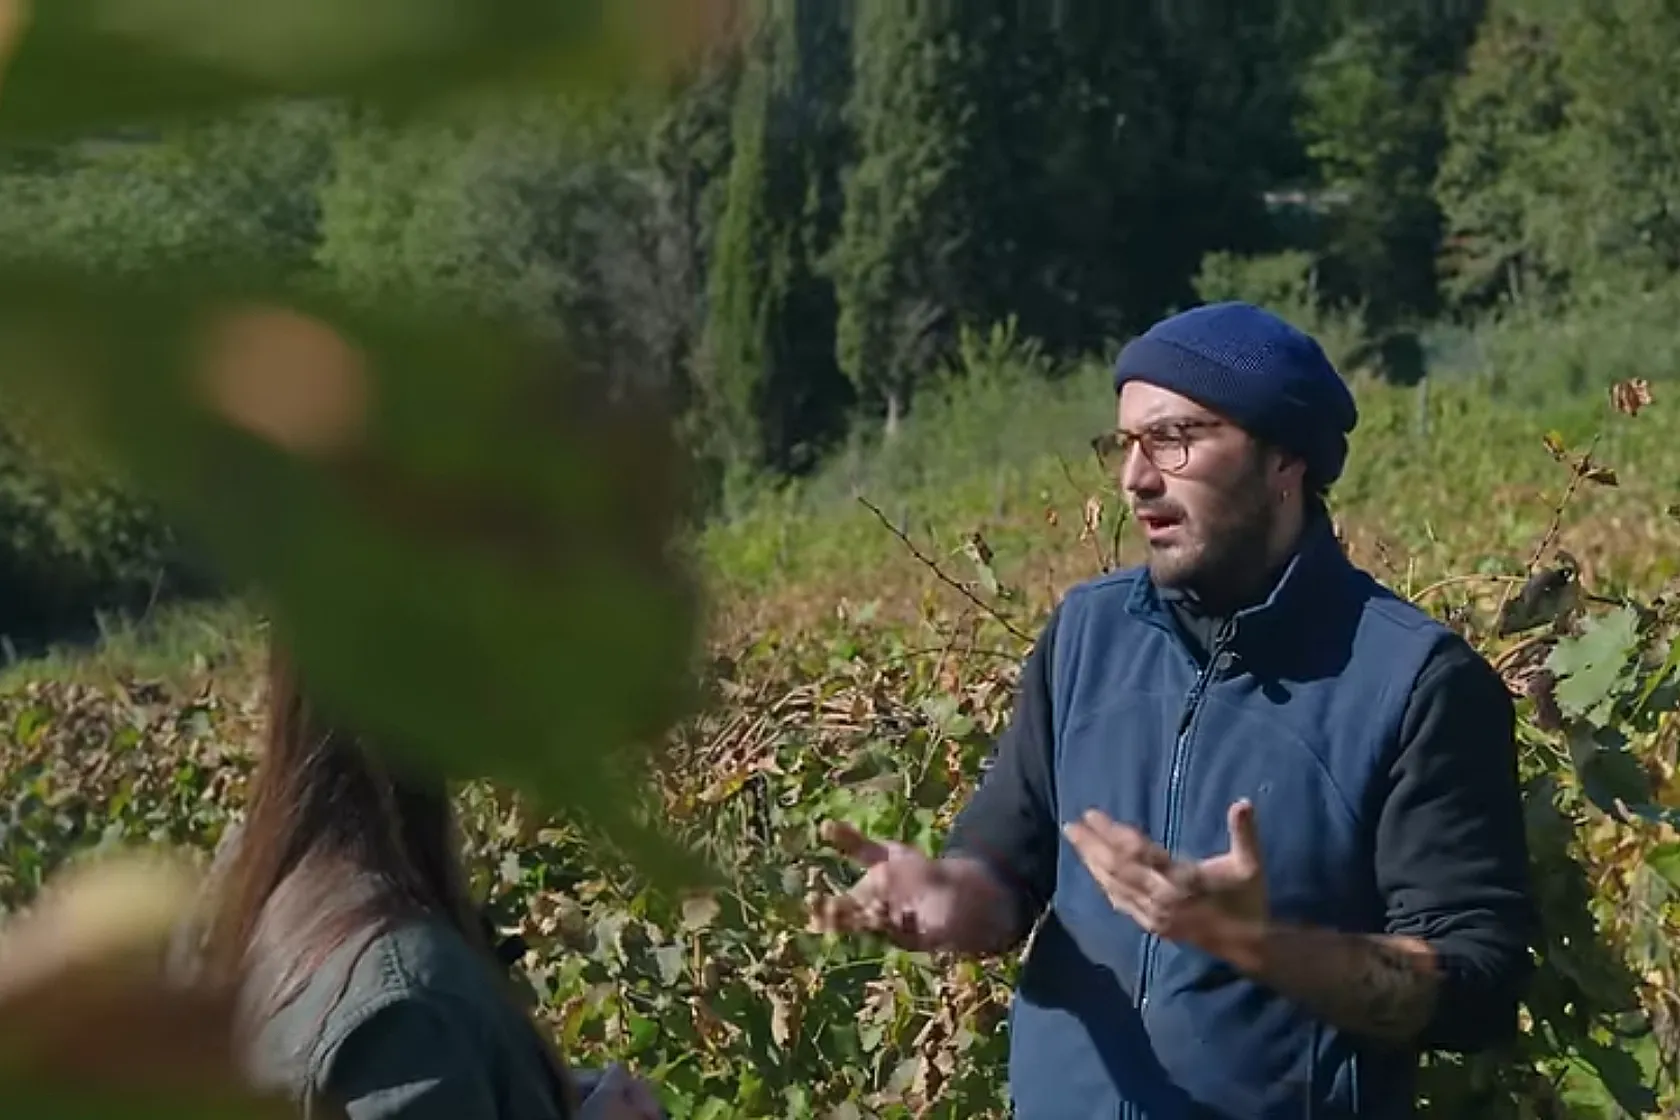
{"x":160,"y":59}
{"x":242,"y":186}
{"x":74,"y":545}
{"x":1591,"y":665}
{"x":1372,"y":118}
{"x":1560,"y":157}
{"x":1495,"y":178}
{"x":1287,"y":283}
{"x":770,"y":350}
{"x":903,"y":262}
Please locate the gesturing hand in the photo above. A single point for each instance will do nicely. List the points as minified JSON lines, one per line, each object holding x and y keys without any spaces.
{"x":618,"y":1094}
{"x":903,"y":895}
{"x":1217,"y":904}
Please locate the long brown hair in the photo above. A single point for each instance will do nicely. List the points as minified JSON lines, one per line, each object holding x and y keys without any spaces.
{"x":339,"y":843}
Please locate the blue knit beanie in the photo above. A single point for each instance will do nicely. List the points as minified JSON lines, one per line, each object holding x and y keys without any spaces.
{"x":1267,"y":376}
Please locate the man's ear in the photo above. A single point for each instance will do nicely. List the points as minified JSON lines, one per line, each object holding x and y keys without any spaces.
{"x":1289,"y":471}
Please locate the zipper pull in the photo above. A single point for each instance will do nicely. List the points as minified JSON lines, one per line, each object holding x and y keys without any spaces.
{"x":1222,"y":658}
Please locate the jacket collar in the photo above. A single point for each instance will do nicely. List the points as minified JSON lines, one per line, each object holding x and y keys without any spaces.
{"x":1314,"y":572}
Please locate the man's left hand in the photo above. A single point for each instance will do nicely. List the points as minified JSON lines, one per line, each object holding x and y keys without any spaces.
{"x":1217,"y":905}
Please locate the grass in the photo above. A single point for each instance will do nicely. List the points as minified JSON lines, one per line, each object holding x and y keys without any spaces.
{"x":1452,"y":478}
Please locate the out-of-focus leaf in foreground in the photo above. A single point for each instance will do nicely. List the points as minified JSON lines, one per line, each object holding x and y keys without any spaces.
{"x":90,"y":1026}
{"x":465,"y":541}
{"x":89,"y":64}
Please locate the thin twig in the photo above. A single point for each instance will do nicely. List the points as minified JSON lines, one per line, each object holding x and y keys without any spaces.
{"x":1578,"y":474}
{"x":1452,"y":581}
{"x":933,"y":566}
{"x":1504,"y":660}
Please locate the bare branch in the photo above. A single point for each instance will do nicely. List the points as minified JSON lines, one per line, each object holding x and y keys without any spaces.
{"x":933,"y":565}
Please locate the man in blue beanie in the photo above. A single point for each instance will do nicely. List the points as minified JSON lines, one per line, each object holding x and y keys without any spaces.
{"x":1259,"y":816}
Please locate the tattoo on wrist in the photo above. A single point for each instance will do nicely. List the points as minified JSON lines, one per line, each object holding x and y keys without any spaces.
{"x":1373,"y":985}
{"x":1397,"y":987}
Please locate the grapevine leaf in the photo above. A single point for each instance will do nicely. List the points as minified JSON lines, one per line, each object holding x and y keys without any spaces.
{"x":1664,"y":859}
{"x":1607,"y":1081}
{"x":1661,"y":677}
{"x":465,"y":543}
{"x":1591,"y":666}
{"x":171,"y":58}
{"x":1610,"y":775}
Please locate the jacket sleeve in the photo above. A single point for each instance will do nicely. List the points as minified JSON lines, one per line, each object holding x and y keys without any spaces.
{"x":1009,"y":823}
{"x":1452,"y":853}
{"x":407,"y":1061}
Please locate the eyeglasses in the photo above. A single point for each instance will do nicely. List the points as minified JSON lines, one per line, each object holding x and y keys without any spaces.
{"x":1165,"y":445}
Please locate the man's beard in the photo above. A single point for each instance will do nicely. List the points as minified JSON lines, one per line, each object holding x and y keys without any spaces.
{"x":1229,"y":555}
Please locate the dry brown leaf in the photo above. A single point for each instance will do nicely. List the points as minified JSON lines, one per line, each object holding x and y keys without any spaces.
{"x":1093,"y":517}
{"x":1631,"y":395}
{"x":784,"y":1018}
{"x":1603,"y":476}
{"x":286,"y":378}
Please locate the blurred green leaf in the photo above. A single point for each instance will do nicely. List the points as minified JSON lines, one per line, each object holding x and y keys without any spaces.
{"x":167,"y":58}
{"x":466,"y":542}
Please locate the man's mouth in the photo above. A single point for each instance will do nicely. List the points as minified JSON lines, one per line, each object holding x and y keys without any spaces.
{"x":1157,"y":523}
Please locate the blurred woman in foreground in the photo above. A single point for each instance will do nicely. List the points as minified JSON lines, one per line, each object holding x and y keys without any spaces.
{"x":366,"y":981}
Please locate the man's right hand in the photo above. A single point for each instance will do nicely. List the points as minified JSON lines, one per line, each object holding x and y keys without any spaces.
{"x":617,"y":1094}
{"x":916,"y":902}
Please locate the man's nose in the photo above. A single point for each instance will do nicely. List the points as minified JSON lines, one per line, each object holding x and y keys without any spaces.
{"x":1138,"y":474}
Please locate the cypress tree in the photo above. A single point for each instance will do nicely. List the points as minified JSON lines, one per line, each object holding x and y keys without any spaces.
{"x":775,"y":389}
{"x":912,"y":260}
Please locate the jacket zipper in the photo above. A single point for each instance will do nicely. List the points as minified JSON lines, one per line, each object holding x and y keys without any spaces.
{"x":1181,"y":748}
